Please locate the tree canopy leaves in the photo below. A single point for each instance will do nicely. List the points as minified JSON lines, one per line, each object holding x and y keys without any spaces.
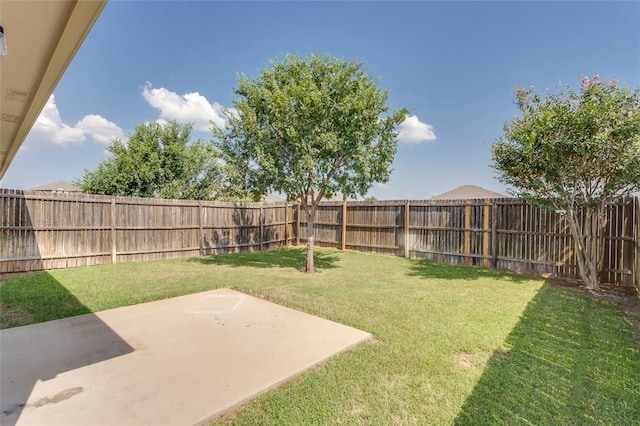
{"x":310,"y":127}
{"x":158,"y":160}
{"x":572,"y":148}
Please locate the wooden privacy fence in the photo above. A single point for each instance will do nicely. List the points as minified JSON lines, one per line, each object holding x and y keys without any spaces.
{"x":39,"y":231}
{"x":499,"y":233}
{"x":62,"y":230}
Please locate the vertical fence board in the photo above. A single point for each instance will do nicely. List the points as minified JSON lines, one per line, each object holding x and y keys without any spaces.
{"x":113,"y":231}
{"x":635,"y":244}
{"x":485,"y":233}
{"x":405,"y":227}
{"x":343,"y":236}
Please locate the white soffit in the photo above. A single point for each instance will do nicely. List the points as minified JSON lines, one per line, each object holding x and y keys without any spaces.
{"x":42,"y":38}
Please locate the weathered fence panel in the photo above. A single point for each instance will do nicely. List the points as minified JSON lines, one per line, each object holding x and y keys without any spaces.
{"x":48,"y":231}
{"x":327,"y":226}
{"x":505,"y":233}
{"x":151,"y":229}
{"x":373,"y":228}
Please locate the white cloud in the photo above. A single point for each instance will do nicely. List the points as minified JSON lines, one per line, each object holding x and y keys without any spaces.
{"x":381,"y":185}
{"x":188,"y":108}
{"x":49,"y":127}
{"x":412,"y":130}
{"x":101,"y":129}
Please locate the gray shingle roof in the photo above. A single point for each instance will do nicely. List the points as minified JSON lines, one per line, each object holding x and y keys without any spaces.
{"x":467,"y":192}
{"x":271,"y":198}
{"x":56,"y":186}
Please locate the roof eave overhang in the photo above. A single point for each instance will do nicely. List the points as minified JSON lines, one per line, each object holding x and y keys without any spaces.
{"x":81,"y":17}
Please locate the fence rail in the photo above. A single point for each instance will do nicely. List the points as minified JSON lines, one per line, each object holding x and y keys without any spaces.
{"x":499,"y":233}
{"x":40,"y":231}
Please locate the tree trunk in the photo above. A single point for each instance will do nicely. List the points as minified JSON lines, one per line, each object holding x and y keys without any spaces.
{"x":310,"y":238}
{"x":586,"y":241}
{"x":578,"y":240}
{"x":591,"y":219}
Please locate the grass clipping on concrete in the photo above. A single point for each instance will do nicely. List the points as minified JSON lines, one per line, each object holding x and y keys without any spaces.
{"x":452,"y":344}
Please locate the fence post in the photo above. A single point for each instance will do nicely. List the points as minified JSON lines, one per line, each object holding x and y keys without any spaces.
{"x":485,"y":234}
{"x":467,"y":232}
{"x":494,"y":234}
{"x":344,"y":224}
{"x":261,"y":226}
{"x":298,"y":224}
{"x":113,"y":230}
{"x":405,"y":229}
{"x":201,"y":231}
{"x":636,"y":238}
{"x":286,"y":223}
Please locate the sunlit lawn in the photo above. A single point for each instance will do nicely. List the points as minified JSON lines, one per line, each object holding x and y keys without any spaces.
{"x":452,"y":344}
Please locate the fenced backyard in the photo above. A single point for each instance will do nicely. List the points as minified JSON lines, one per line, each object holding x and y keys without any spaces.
{"x":40,"y":231}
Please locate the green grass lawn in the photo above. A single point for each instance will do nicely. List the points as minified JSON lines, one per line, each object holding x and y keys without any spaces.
{"x":453,"y":345}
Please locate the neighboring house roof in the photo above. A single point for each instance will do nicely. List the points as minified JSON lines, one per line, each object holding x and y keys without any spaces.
{"x":336,"y":197}
{"x":56,"y":186}
{"x":271,"y":198}
{"x":468,"y":192}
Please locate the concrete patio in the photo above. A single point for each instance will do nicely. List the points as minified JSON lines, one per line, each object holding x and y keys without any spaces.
{"x":179,"y":361}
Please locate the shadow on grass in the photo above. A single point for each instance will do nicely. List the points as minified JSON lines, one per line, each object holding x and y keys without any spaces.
{"x":572,"y":360}
{"x":281,"y":258}
{"x":35,"y":297}
{"x":428,"y":269}
{"x":40,"y":352}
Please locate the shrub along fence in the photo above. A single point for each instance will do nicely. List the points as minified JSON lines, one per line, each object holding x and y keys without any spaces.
{"x":41,"y":231}
{"x":498,"y":233}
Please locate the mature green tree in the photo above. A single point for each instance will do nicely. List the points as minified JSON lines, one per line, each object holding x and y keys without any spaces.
{"x":309,"y":128}
{"x":574,"y":152}
{"x":158,"y":160}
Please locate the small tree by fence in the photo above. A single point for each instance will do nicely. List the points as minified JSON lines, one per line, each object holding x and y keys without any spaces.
{"x":62,"y":230}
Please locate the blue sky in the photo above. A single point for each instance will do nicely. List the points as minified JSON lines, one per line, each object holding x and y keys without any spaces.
{"x":454,"y":65}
